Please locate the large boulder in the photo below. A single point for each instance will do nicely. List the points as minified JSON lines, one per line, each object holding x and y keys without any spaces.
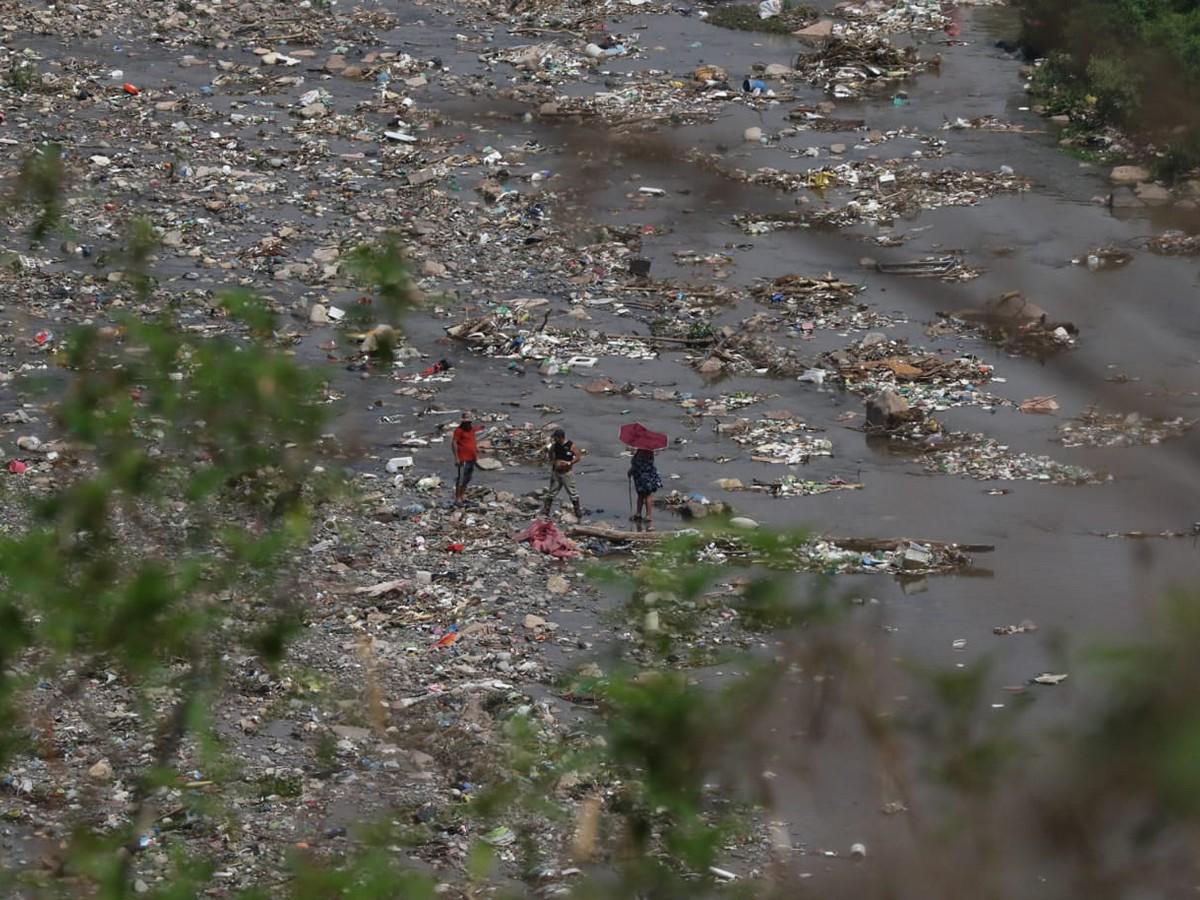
{"x":1014,"y":307}
{"x":816,"y":33}
{"x":1152,"y":194}
{"x":887,"y":410}
{"x":1129,"y":174}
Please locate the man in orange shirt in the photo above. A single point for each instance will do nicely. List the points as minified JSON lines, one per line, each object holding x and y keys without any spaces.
{"x":462,"y":444}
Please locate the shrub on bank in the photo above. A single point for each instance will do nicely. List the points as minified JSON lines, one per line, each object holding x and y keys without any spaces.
{"x":1134,"y":64}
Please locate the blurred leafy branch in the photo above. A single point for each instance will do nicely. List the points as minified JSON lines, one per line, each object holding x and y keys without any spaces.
{"x":186,"y":478}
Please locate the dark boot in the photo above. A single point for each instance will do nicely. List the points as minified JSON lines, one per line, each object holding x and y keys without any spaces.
{"x":577,"y":509}
{"x":546,"y":504}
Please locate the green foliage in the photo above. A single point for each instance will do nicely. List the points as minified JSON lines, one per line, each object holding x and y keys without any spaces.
{"x":162,"y":546}
{"x":1147,"y":737}
{"x":1131,"y":63}
{"x":973,"y":750}
{"x":1116,"y":87}
{"x":1180,"y":158}
{"x":22,"y":75}
{"x":41,"y":186}
{"x":140,"y":243}
{"x":373,"y":875}
{"x":382,"y":267}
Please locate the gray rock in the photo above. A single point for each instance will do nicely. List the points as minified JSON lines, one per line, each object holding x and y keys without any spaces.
{"x":887,"y":409}
{"x":817,"y":33}
{"x":1014,"y":306}
{"x":423,"y":176}
{"x":1129,"y":175}
{"x":1124,"y":199}
{"x":1152,"y":194}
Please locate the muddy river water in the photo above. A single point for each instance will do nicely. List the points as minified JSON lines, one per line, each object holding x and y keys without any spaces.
{"x":1050,"y":564}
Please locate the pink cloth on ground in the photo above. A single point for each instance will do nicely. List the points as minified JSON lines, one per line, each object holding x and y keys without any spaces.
{"x":545,"y":537}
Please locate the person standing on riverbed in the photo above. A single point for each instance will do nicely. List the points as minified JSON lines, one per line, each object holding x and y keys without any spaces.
{"x":646,"y":481}
{"x":466,"y":452}
{"x":562,"y":456}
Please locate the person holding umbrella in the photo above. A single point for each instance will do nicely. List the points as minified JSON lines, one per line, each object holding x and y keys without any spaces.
{"x":643,"y":474}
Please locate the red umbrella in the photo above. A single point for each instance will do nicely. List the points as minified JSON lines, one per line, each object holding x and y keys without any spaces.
{"x":639,"y":437}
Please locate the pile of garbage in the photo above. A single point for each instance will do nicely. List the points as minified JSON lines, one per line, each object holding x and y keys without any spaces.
{"x":783,"y":441}
{"x":653,"y":97}
{"x":849,"y":69}
{"x":552,"y":61}
{"x":788,"y":486}
{"x":945,"y":268}
{"x":1175,"y":243}
{"x":986,"y":459}
{"x":720,"y":406}
{"x":986,"y":123}
{"x":900,"y":557}
{"x":927,"y":382}
{"x":1095,"y":428}
{"x":1104,"y":258}
{"x":825,"y":302}
{"x":877,"y":192}
{"x":771,"y":16}
{"x":807,"y":296}
{"x":835,"y":556}
{"x":518,"y":444}
{"x":873,"y":20}
{"x":693,"y":506}
{"x":749,"y":349}
{"x":503,"y":334}
{"x":1012,"y":322}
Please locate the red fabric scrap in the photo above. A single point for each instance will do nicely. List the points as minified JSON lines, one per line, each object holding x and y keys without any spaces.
{"x":544,"y":536}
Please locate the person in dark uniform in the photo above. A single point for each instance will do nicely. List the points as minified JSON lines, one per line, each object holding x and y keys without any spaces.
{"x":562,"y":456}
